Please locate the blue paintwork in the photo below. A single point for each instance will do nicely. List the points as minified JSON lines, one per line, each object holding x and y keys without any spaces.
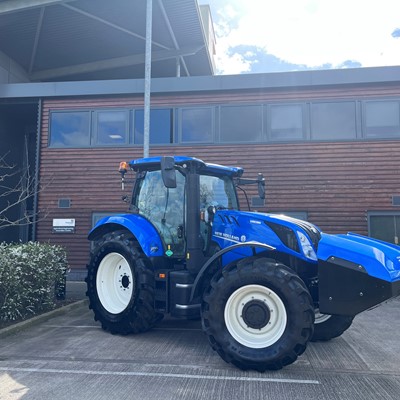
{"x":179,"y":160}
{"x":231,"y":227}
{"x":380,"y":259}
{"x":145,"y":233}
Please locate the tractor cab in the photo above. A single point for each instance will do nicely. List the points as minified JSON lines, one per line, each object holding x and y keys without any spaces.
{"x":180,"y":197}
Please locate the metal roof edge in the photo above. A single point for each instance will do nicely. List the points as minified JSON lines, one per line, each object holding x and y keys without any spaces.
{"x":276,"y":80}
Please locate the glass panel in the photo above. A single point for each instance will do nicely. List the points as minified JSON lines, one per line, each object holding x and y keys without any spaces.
{"x":163,"y":208}
{"x":112,"y":127}
{"x":333,"y":120}
{"x":286,"y":122}
{"x":217,"y":192}
{"x":197,"y":125}
{"x":382,"y":227}
{"x":382,"y":118}
{"x":241,"y":124}
{"x":70,"y":129}
{"x":160,"y":126}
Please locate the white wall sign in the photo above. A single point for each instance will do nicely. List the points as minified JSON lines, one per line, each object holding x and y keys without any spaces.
{"x":63,"y":225}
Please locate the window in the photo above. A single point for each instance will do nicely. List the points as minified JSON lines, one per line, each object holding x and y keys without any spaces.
{"x":160,"y":126}
{"x":333,"y":120}
{"x":241,"y":123}
{"x":382,"y":118}
{"x":70,"y":129}
{"x":219,"y":192}
{"x":196,"y":125}
{"x":384,"y":226}
{"x":112,"y":127}
{"x":286,"y":122}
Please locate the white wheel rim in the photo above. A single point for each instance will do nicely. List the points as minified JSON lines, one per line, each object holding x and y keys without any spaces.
{"x":320,"y":318}
{"x":114,"y":283}
{"x":239,"y":329}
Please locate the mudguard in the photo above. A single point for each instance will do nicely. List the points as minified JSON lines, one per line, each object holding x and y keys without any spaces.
{"x":145,"y":233}
{"x":356,"y":273}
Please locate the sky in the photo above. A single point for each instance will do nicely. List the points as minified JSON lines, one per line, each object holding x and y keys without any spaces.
{"x":291,"y":35}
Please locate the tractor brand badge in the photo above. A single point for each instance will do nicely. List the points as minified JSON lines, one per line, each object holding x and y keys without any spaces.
{"x":243,"y":238}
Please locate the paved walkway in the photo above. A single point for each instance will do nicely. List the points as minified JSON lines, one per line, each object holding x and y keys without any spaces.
{"x":70,"y":357}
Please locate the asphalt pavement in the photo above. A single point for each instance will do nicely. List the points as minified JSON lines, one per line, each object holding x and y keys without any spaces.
{"x":68,"y":356}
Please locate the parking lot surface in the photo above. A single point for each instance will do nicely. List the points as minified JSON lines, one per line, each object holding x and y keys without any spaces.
{"x":70,"y":357}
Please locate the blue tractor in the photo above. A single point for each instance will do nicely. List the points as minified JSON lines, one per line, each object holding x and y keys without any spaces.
{"x":264,"y":285}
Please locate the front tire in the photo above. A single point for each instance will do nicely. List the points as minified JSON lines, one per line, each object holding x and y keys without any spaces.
{"x":258,"y":314}
{"x":120,"y":285}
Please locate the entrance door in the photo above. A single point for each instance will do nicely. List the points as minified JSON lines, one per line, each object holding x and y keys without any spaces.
{"x":385,"y":226}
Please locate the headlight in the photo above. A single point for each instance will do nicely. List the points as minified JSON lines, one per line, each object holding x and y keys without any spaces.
{"x":306,"y":246}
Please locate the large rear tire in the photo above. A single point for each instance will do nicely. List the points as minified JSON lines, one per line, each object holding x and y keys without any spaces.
{"x":258,"y":314}
{"x":120,"y":285}
{"x":327,"y":327}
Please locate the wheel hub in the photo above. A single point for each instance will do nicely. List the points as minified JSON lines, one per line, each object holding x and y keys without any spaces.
{"x":125,"y":281}
{"x":256,"y":314}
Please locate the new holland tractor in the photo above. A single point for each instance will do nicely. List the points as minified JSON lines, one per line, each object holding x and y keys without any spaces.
{"x":263,"y":285}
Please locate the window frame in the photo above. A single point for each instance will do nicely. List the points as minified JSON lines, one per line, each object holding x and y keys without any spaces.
{"x":179,"y":114}
{"x":268,"y":122}
{"x":261,"y":138}
{"x":364,"y":119}
{"x":95,"y":127}
{"x":172,"y":126}
{"x":72,"y":111}
{"x":313,"y":138}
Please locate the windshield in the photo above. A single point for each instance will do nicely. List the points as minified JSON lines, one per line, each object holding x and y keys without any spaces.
{"x":217,"y":191}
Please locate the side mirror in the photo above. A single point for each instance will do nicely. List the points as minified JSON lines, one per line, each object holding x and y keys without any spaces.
{"x":261,"y":186}
{"x":209,"y":215}
{"x":168,"y":172}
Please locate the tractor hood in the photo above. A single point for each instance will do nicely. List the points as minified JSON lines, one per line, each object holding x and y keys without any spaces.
{"x":374,"y":257}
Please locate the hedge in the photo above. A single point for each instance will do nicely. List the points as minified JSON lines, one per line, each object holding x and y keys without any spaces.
{"x":31,"y":276}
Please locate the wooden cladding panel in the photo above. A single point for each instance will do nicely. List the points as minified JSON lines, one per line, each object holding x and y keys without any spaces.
{"x":335,"y":183}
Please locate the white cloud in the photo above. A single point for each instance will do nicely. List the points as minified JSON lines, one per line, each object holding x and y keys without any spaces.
{"x":309,"y":32}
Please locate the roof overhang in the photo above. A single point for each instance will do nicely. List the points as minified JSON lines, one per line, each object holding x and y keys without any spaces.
{"x":59,"y":40}
{"x":288,"y":81}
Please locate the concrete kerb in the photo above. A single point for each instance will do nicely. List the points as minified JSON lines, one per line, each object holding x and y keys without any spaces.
{"x":20,"y":326}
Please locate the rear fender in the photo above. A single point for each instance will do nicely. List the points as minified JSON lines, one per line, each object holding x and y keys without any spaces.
{"x":144,"y":232}
{"x":355,"y":273}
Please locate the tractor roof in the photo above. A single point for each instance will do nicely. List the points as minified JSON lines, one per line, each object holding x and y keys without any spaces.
{"x":152,"y":163}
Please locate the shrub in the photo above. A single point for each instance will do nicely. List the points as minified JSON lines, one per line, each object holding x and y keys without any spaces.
{"x":30,"y":276}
